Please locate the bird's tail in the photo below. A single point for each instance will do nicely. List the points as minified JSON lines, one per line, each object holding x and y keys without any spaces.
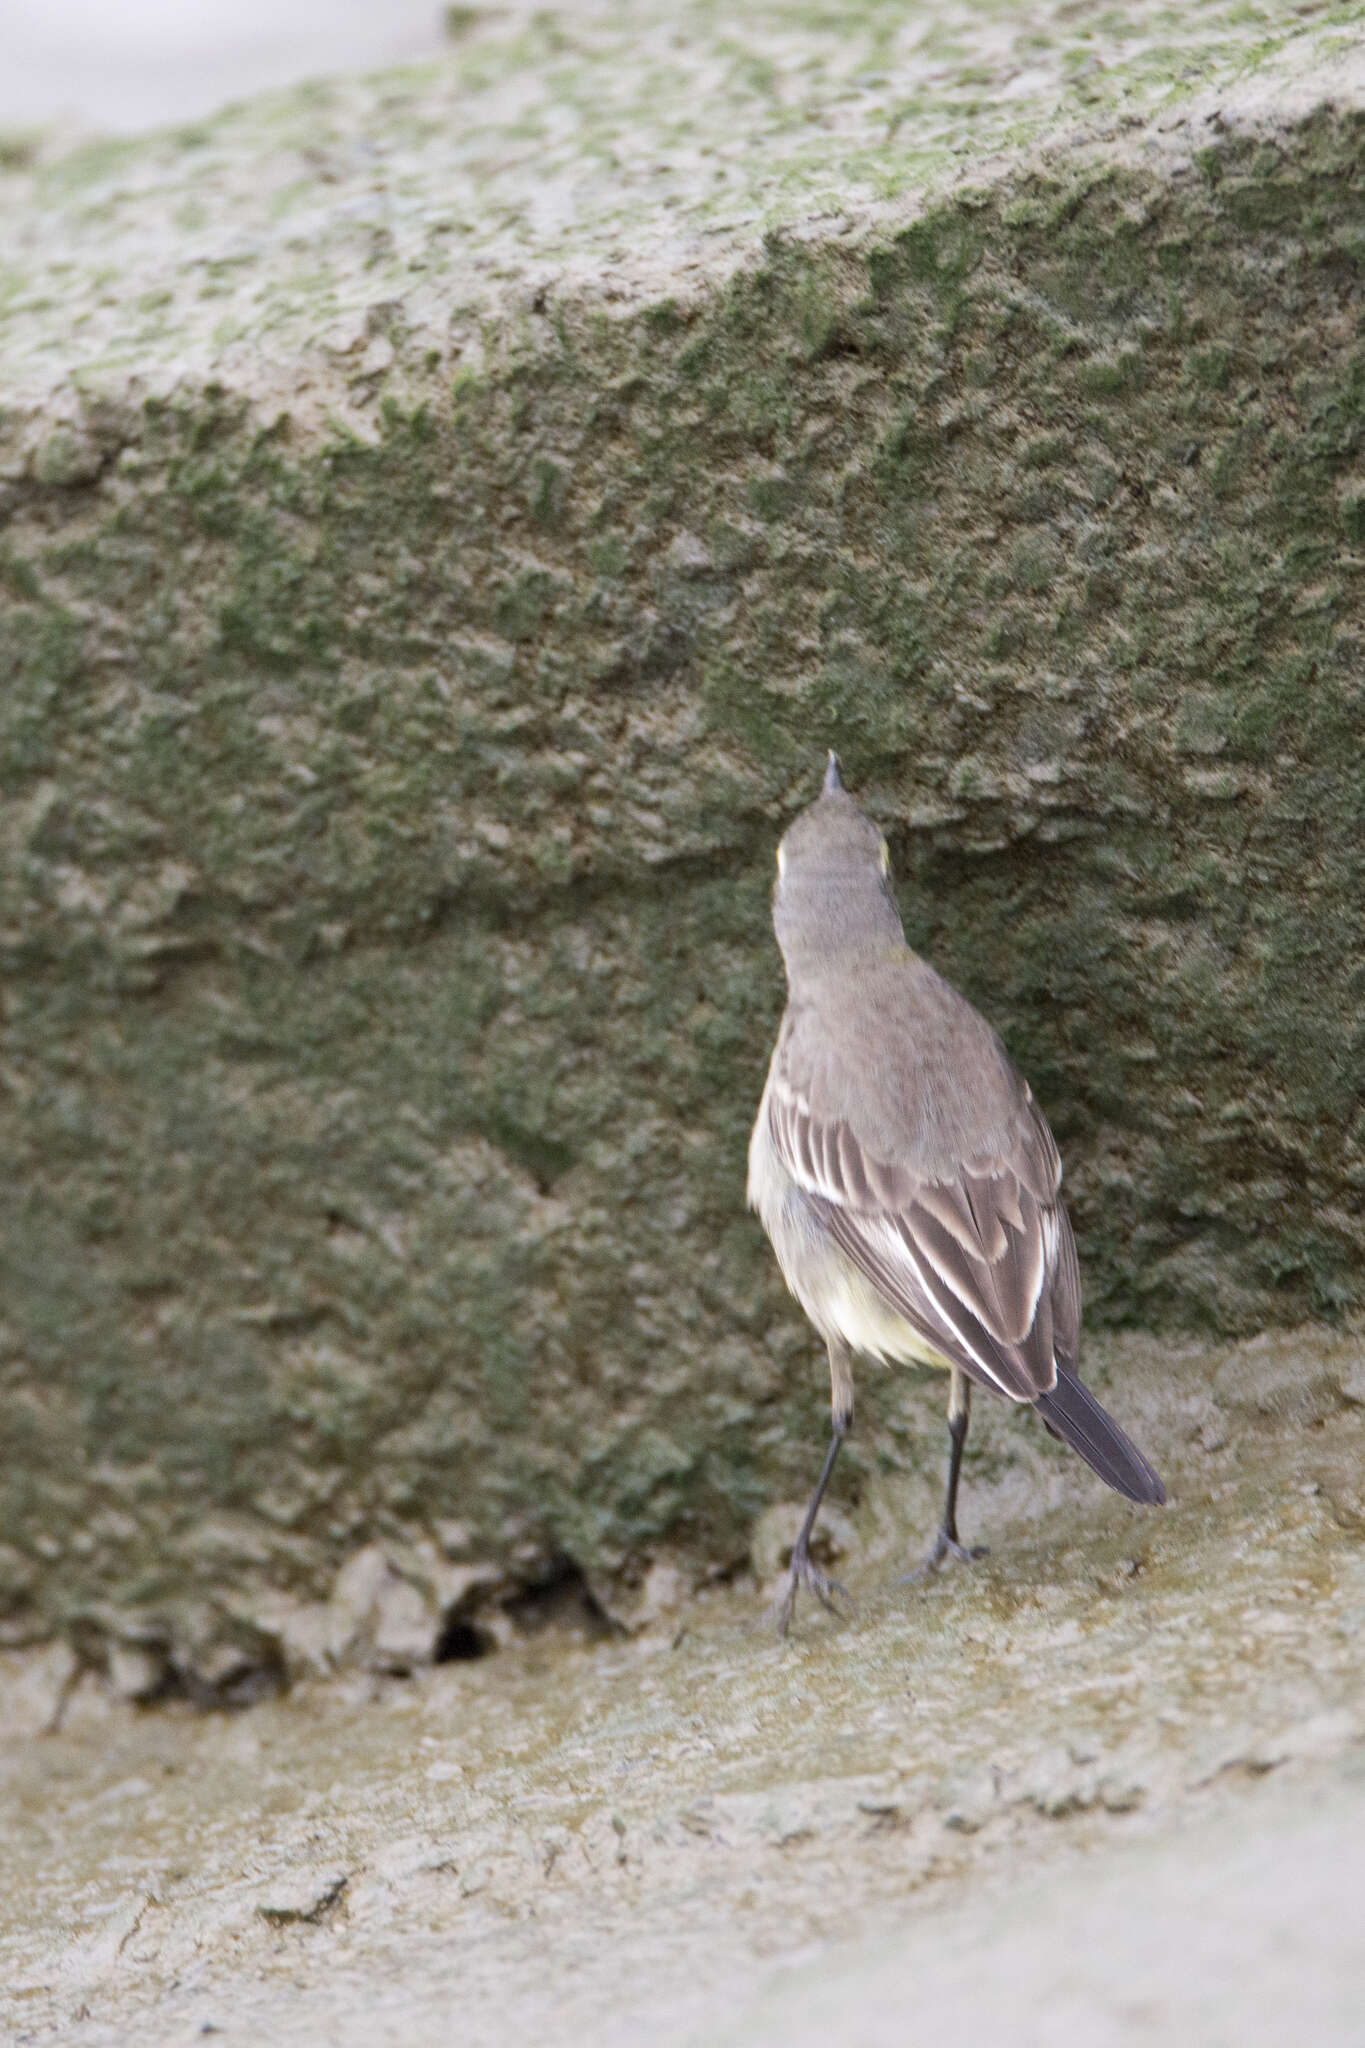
{"x":1072,"y":1413}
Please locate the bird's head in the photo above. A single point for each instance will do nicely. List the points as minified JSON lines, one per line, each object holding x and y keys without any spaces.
{"x":833,"y":888}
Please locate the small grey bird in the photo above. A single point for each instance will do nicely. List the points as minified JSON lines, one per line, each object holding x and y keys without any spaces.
{"x":907,"y":1179}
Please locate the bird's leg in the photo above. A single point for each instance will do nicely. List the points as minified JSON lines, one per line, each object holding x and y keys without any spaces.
{"x":959,"y":1415}
{"x":804,"y":1570}
{"x":946,"y":1543}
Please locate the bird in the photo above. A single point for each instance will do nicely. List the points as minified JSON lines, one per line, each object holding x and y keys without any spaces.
{"x":906,"y":1178}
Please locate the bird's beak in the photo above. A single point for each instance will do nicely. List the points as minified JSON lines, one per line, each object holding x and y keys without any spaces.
{"x":834,"y":781}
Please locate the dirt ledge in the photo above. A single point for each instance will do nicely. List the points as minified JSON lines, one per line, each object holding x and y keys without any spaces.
{"x":699,"y":1835}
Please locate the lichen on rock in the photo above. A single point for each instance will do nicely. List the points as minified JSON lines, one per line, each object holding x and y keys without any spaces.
{"x":442,"y":519}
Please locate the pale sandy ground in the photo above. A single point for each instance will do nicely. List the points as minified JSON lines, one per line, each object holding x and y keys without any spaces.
{"x":1106,"y":1787}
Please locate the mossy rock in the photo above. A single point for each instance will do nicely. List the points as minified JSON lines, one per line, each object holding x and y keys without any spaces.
{"x":437,"y":544}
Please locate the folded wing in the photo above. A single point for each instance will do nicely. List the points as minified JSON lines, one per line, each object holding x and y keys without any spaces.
{"x":980,"y":1261}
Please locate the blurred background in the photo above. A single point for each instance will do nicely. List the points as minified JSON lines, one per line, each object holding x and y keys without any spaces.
{"x":123,"y":65}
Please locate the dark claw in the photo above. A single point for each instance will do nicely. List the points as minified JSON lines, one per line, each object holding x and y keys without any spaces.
{"x":805,"y":1572}
{"x":943,"y":1546}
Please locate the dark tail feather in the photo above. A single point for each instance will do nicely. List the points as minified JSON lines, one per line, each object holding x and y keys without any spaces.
{"x":1072,"y":1413}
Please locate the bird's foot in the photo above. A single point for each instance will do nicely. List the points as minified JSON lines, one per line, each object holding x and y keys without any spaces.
{"x":944,"y":1545}
{"x":805,"y":1572}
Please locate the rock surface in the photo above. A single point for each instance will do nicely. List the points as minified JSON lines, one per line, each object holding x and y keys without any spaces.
{"x":442,"y":519}
{"x":1106,"y":1786}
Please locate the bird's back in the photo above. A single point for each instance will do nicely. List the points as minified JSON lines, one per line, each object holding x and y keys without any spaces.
{"x":916,"y":1074}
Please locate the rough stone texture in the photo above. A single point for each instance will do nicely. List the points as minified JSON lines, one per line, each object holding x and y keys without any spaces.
{"x":1106,"y":1787}
{"x":444,"y":517}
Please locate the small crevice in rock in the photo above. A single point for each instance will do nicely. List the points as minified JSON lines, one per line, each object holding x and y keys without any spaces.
{"x":482,"y":1620}
{"x":560,"y":1599}
{"x":461,"y":1641}
{"x":311,"y":1908}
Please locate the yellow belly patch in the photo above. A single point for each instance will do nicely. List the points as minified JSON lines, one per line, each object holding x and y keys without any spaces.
{"x":866,"y":1323}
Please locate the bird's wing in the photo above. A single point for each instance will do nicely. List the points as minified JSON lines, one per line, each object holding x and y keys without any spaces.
{"x":979,"y":1259}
